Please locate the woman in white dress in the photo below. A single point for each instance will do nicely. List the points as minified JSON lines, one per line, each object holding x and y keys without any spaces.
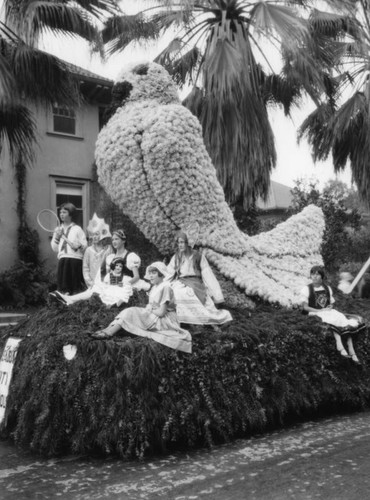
{"x":195,"y":287}
{"x":158,"y":320}
{"x":97,"y":252}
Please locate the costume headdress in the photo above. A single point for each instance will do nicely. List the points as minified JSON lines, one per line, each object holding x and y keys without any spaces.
{"x":120,"y":233}
{"x":160,"y":266}
{"x":98,"y":224}
{"x":192,"y":233}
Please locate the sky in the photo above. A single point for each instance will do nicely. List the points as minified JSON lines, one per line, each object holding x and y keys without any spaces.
{"x":294,"y":160}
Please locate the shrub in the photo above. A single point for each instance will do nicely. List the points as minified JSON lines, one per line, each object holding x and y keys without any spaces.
{"x":247,"y":220}
{"x":338,"y":218}
{"x":24,"y":285}
{"x":358,"y":249}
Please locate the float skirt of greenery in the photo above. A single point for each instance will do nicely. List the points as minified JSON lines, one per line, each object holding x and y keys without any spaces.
{"x":132,"y":397}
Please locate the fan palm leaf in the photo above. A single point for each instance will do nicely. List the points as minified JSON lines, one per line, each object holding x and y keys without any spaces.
{"x":17,"y":130}
{"x":120,"y":31}
{"x":278,"y":89}
{"x":27,"y":64}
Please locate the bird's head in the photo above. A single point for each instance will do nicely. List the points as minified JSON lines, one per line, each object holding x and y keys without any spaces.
{"x":145,"y":81}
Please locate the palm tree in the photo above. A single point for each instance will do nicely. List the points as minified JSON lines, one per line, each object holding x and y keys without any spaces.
{"x":340,"y":125}
{"x":27,"y":72}
{"x":240,"y":57}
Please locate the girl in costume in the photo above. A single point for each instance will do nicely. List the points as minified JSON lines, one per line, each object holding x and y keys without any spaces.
{"x":195,"y":287}
{"x":131,"y":260}
{"x":97,"y":252}
{"x":158,"y":320}
{"x":115,"y":277}
{"x":70,"y":253}
{"x":317,"y":300}
{"x":111,"y":295}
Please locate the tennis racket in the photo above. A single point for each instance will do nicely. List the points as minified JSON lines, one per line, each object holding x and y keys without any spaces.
{"x":49,"y":221}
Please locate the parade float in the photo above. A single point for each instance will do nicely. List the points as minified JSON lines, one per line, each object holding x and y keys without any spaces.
{"x":131,"y":396}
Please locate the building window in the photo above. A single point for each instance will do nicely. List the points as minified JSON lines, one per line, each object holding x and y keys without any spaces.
{"x":64,"y":120}
{"x":72,"y":191}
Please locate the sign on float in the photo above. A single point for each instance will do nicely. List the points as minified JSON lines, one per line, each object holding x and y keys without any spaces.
{"x":6,"y":370}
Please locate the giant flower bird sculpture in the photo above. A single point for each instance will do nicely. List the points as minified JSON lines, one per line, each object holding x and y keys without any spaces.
{"x":153,"y":163}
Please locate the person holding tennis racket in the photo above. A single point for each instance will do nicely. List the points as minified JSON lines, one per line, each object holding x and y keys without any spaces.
{"x":69,"y":242}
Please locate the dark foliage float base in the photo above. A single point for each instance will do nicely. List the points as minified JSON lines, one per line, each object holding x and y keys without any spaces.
{"x":131,"y":397}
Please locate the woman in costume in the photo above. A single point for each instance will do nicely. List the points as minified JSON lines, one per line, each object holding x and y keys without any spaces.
{"x":195,"y":287}
{"x":69,"y":242}
{"x":97,"y":252}
{"x":317,"y":300}
{"x":158,"y":320}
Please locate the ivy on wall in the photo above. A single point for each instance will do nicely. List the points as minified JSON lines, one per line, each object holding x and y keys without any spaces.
{"x":25,"y":283}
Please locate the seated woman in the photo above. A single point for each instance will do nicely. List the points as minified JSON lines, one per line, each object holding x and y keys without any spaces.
{"x":194,"y":286}
{"x":158,"y":320}
{"x":111,"y":295}
{"x":318,"y":300}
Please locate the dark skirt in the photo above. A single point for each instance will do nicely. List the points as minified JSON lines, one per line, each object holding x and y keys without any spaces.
{"x":70,"y":278}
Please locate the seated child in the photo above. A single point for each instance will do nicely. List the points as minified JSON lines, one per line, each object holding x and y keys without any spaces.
{"x":318,"y":300}
{"x":115,"y":276}
{"x":158,"y":320}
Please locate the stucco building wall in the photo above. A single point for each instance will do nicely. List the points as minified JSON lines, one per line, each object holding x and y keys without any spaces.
{"x":59,"y":158}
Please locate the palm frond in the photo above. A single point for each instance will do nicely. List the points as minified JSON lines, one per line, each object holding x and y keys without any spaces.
{"x":167,"y":19}
{"x":352,"y":141}
{"x":221,"y":66}
{"x":99,"y":8}
{"x":186,"y":69}
{"x":41,"y":76}
{"x":353,"y":110}
{"x":18,"y":131}
{"x":55,"y":17}
{"x":269,"y":18}
{"x":183,"y":68}
{"x":170,"y":52}
{"x":7,"y":80}
{"x":16,"y":10}
{"x":120,"y":31}
{"x":317,"y":130}
{"x":301,"y":66}
{"x":277,"y":89}
{"x":194,"y":101}
{"x":334,"y":25}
